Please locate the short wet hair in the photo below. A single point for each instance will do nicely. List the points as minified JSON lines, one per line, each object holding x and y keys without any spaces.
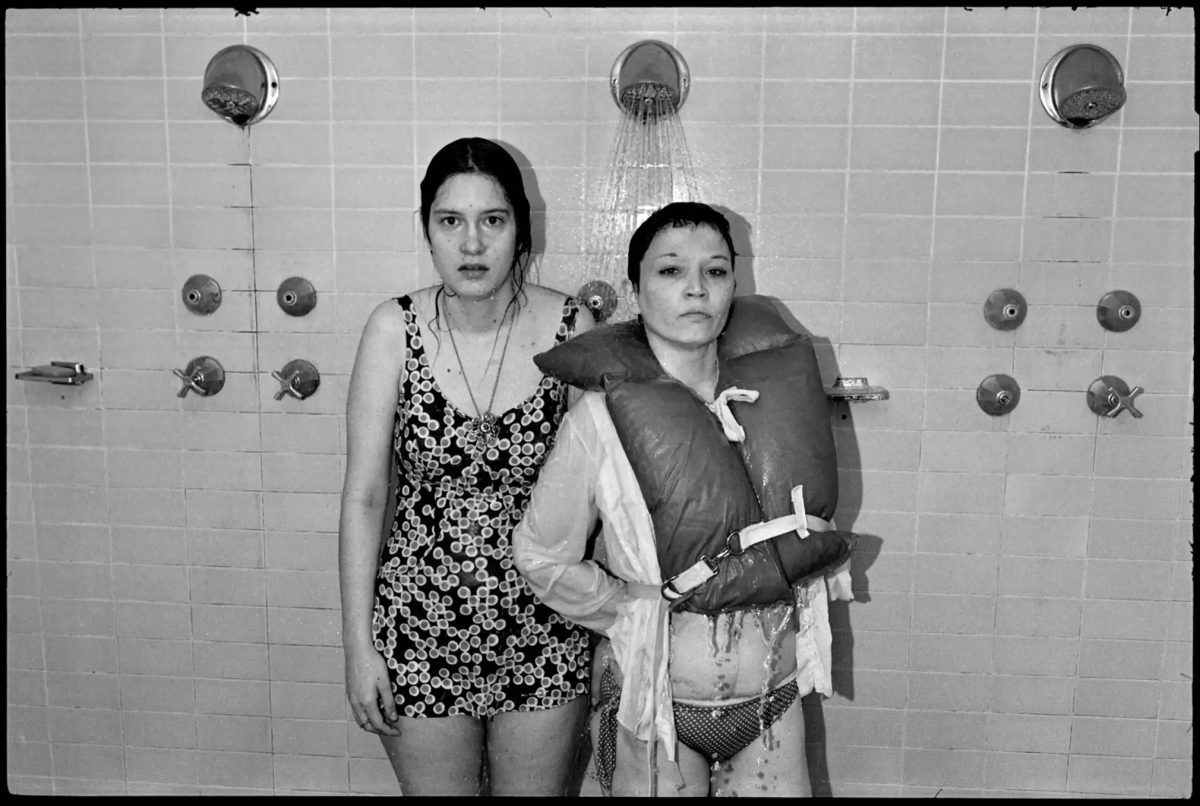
{"x":675,"y":214}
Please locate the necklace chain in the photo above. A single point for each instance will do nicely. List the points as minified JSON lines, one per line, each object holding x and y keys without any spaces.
{"x":483,"y":427}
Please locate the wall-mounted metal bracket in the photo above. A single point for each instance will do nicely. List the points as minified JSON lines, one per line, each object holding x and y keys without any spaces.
{"x":852,"y":389}
{"x":60,"y":372}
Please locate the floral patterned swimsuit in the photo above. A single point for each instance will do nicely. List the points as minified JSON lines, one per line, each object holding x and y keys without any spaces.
{"x":458,"y":626}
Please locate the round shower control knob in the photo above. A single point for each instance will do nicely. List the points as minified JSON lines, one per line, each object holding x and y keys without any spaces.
{"x":298,"y":378}
{"x":1108,"y":396}
{"x":1118,"y":311}
{"x":296,"y":296}
{"x":998,"y":394}
{"x":1005,"y":309}
{"x":600,"y":298}
{"x":201,"y":294}
{"x":204,"y":375}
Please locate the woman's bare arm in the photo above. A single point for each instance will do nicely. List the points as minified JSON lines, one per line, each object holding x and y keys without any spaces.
{"x":370,"y":412}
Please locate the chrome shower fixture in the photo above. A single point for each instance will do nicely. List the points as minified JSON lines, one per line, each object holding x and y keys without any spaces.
{"x":1082,"y":85}
{"x":241,"y":85}
{"x":649,"y":79}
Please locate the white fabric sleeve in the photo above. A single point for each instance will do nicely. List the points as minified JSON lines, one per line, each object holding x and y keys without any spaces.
{"x":814,"y":640}
{"x":550,"y":542}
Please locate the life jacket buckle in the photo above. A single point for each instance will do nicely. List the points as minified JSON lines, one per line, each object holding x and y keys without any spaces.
{"x":670,"y":592}
{"x":733,"y":545}
{"x":674,"y":595}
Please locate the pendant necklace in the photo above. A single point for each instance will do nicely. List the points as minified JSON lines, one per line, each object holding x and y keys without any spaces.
{"x":484,"y":428}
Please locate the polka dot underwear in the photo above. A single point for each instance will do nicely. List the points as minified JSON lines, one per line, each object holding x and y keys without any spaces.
{"x":718,"y":732}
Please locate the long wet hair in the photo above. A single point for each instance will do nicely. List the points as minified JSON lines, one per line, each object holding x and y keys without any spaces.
{"x":675,"y":214}
{"x":477,"y":155}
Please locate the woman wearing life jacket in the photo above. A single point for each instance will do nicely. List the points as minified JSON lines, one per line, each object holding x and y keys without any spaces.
{"x":684,"y":514}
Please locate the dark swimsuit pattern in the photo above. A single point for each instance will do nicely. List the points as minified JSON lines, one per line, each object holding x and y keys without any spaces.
{"x":458,"y":626}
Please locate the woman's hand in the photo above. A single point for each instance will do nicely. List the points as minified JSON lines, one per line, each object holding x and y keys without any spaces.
{"x":367,"y":687}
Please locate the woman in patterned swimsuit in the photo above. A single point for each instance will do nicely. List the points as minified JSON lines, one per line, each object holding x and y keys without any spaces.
{"x":449,"y":657}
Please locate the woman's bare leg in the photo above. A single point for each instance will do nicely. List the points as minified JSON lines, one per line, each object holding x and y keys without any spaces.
{"x":776,"y":769}
{"x":534,"y":752}
{"x":437,"y":755}
{"x":631,"y":778}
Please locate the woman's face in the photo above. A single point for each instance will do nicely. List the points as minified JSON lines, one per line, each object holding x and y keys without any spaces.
{"x":686,"y":286}
{"x":472,"y":235}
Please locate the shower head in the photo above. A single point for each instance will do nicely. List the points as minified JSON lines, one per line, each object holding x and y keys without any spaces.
{"x":240,"y":85}
{"x":650,"y":79}
{"x":231,"y":101}
{"x":649,"y":101}
{"x":1081,"y":86}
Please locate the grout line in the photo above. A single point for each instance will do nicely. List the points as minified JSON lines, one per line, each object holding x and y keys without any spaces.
{"x":162,"y":34}
{"x":841,"y":298}
{"x":1112,"y":236}
{"x":756,"y":228}
{"x":1034,"y":102}
{"x":414,"y":221}
{"x":933,"y":213}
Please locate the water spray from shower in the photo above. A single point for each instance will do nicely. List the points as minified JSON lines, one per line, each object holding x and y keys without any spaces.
{"x":649,"y":164}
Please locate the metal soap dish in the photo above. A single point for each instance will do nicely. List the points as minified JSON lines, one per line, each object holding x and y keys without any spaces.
{"x":60,"y":372}
{"x":855,"y":389}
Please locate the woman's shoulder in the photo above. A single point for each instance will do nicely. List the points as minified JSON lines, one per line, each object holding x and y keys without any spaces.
{"x":390,"y":318}
{"x":544,"y":296}
{"x":421,"y":303}
{"x":557,"y":305}
{"x":388,"y":313}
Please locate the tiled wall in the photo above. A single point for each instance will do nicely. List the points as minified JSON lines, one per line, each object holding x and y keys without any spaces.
{"x":1024,"y":621}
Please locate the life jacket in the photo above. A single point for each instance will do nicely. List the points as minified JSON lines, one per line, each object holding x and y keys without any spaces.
{"x":700,"y":487}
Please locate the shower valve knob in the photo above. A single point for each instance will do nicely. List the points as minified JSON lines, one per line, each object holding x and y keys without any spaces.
{"x":201,"y":294}
{"x":998,"y":395}
{"x":1108,"y":396}
{"x":1118,"y":311}
{"x":600,"y":298}
{"x":1005,"y":309}
{"x":204,"y":375}
{"x":298,"y":378}
{"x":296,"y":296}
